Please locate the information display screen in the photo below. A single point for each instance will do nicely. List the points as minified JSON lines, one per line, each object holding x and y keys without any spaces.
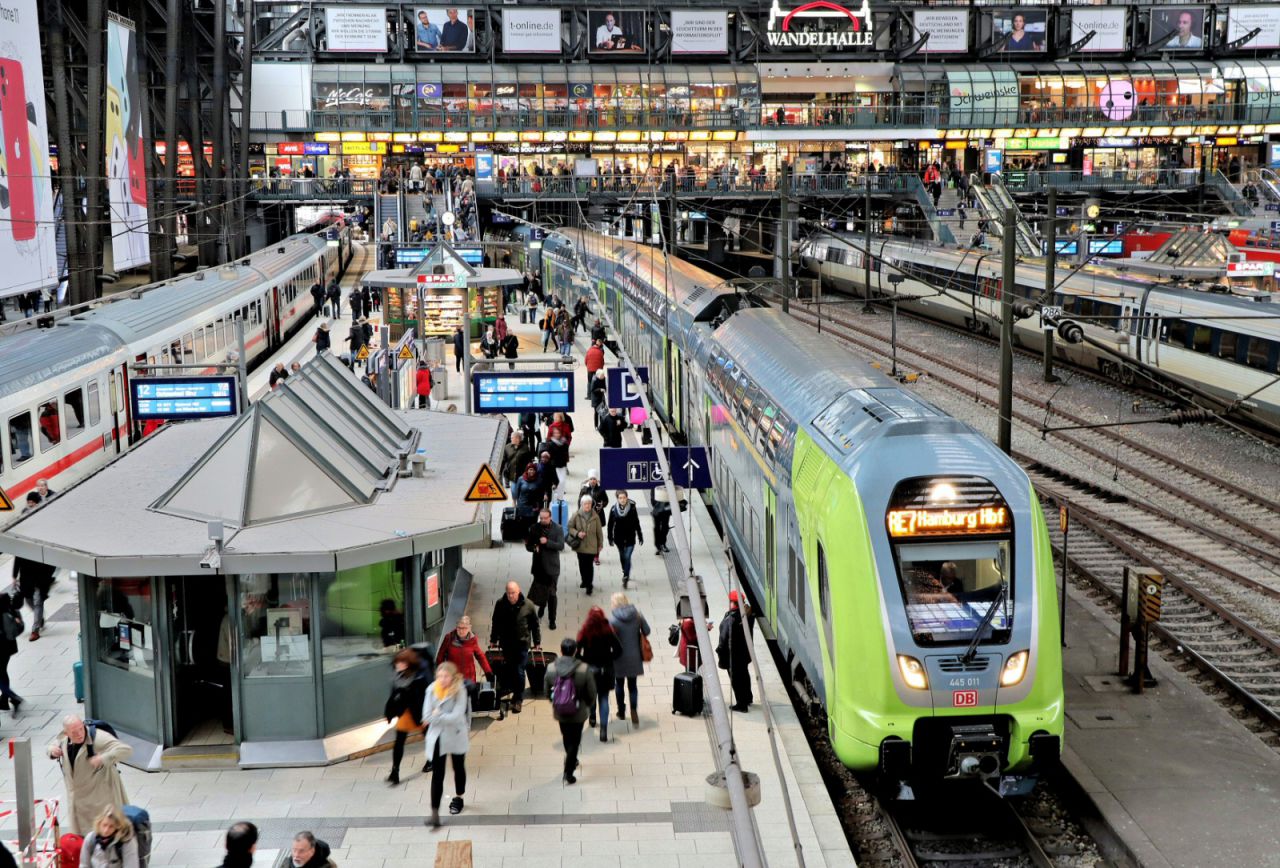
{"x":522,"y":392}
{"x":183,"y":398}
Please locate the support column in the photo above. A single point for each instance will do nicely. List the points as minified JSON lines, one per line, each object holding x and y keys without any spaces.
{"x":173,"y":52}
{"x":81,"y":284}
{"x":95,"y":170}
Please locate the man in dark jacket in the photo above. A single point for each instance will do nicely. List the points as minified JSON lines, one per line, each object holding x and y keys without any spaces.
{"x":317,"y":293}
{"x":459,"y":347}
{"x":516,"y":456}
{"x":624,"y":531}
{"x":356,"y":300}
{"x":733,"y":654}
{"x":310,"y":852}
{"x":545,"y":541}
{"x":514,"y":629}
{"x":548,"y":477}
{"x":321,"y":339}
{"x":34,"y":580}
{"x":334,"y":294}
{"x":584,"y":688}
{"x":611,"y":428}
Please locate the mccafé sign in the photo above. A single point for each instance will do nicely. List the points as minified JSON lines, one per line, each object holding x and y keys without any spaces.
{"x":820,"y":24}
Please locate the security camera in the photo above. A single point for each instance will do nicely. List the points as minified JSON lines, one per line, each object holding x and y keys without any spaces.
{"x":212,"y":559}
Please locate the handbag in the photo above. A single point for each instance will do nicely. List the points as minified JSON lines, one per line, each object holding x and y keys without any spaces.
{"x":574,"y":542}
{"x":673,"y":635}
{"x":646,"y":650}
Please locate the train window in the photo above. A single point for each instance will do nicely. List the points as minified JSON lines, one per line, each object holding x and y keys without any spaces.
{"x":95,"y":405}
{"x":1175,"y":332}
{"x":948,"y":588}
{"x":1201,"y":339}
{"x":824,"y":585}
{"x":50,"y":425}
{"x":20,"y":446}
{"x":73,"y":415}
{"x":1262,"y":354}
{"x":198,"y":345}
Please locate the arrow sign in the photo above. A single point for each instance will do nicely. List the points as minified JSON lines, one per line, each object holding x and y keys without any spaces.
{"x":638,"y":467}
{"x":622,"y":392}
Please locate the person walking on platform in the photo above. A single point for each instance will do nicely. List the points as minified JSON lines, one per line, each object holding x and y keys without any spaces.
{"x":321,"y":338}
{"x":514,"y":629}
{"x":545,"y":542}
{"x":573,"y":692}
{"x":734,"y":655}
{"x":34,"y":581}
{"x":461,"y":647}
{"x":241,"y":842}
{"x":334,"y":294}
{"x":632,"y":630}
{"x":89,"y":758}
{"x":447,"y":714}
{"x":369,"y":297}
{"x":356,"y":301}
{"x":594,"y":359}
{"x":112,"y":842}
{"x":624,"y":532}
{"x":317,"y":294}
{"x":526,"y":494}
{"x":611,"y":428}
{"x":516,"y":456}
{"x":593,"y":487}
{"x":587,"y":539}
{"x":548,"y":477}
{"x":598,"y":647}
{"x":564,"y":333}
{"x":459,"y":348}
{"x":404,"y":705}
{"x":598,"y":386}
{"x":661,"y":512}
{"x":308,"y":851}
{"x":10,"y":623}
{"x":510,"y":346}
{"x":422,"y":380}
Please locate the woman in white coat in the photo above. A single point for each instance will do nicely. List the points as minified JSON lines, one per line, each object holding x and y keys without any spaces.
{"x":447,"y":715}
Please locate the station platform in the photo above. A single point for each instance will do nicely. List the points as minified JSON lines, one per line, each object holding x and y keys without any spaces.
{"x":1181,"y":782}
{"x":640,"y":798}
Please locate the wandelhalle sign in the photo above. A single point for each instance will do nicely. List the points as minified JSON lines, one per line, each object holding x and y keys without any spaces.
{"x":820,"y":24}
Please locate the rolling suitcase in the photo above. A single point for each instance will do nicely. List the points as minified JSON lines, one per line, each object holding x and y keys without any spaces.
{"x":686,"y":692}
{"x":560,"y":514}
{"x":514,"y":527}
{"x":536,"y":671}
{"x":77,"y":678}
{"x":486,"y":699}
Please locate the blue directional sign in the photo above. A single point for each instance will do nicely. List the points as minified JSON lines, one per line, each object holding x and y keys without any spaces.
{"x":183,"y":397}
{"x":521,"y":392}
{"x":638,"y":467}
{"x":946,"y":212}
{"x":1271,"y":206}
{"x":622,"y":392}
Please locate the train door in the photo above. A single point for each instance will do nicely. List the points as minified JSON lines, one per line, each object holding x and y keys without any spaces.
{"x":674,"y":391}
{"x":273,"y":318}
{"x":118,"y":407}
{"x":771,"y":555}
{"x":1153,"y":341}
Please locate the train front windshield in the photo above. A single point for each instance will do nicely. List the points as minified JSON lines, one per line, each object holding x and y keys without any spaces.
{"x":949,"y":587}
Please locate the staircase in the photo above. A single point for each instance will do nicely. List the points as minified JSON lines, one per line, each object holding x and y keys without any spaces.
{"x":389,"y":206}
{"x":951,"y":201}
{"x":1218,"y":182}
{"x":415,"y":208}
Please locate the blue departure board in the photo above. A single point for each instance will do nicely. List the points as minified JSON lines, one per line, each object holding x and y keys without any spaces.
{"x":522,"y":391}
{"x":183,"y":397}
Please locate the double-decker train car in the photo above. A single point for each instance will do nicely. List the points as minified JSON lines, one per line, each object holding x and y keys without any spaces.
{"x":64,"y":390}
{"x":900,"y":560}
{"x":1215,"y":339}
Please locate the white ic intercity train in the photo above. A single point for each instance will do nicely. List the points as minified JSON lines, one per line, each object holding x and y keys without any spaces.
{"x":1139,"y":327}
{"x":64,"y":390}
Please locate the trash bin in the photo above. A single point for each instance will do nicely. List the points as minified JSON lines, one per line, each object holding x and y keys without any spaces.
{"x":439,"y":383}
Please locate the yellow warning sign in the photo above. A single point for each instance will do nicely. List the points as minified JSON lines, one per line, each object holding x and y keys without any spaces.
{"x":363,"y":354}
{"x":6,"y":505}
{"x":405,"y":352}
{"x":485,"y":487}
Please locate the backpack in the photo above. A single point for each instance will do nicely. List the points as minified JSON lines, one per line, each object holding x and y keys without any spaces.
{"x":94,"y":725}
{"x":141,"y":821}
{"x":564,"y":695}
{"x":12,"y":624}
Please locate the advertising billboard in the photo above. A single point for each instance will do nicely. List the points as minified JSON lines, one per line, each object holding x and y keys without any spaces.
{"x":699,"y":31}
{"x":617,"y":31}
{"x":531,"y":31}
{"x":441,"y":28}
{"x":355,"y":28}
{"x":1027,"y":29}
{"x":26,"y":194}
{"x":1182,"y":26}
{"x":126,"y":160}
{"x":948,"y":30}
{"x":1107,"y":24}
{"x":1243,"y":19}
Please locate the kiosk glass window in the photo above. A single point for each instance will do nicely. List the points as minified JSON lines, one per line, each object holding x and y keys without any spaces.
{"x":275,"y":619}
{"x":363,"y":615}
{"x":125,"y":635}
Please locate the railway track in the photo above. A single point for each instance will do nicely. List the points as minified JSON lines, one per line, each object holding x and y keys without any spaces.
{"x":1217,"y":543}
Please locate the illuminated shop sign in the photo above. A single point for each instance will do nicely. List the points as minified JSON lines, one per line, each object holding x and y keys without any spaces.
{"x":948,"y":522}
{"x":820,"y":24}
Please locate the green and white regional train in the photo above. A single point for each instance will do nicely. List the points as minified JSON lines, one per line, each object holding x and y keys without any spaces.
{"x":900,"y":560}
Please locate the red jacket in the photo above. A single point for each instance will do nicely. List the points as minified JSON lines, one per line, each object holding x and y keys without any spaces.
{"x":463,"y":654}
{"x":595,"y":359}
{"x":688,"y":639}
{"x":424,"y":381}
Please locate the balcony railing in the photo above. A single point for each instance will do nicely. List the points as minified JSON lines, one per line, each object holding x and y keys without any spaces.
{"x":849,"y":117}
{"x":696,"y":184}
{"x":1161,"y":115}
{"x":313,"y":188}
{"x":1102,"y":179}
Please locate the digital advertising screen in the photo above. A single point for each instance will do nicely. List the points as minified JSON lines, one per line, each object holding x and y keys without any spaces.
{"x":1027,"y":29}
{"x":1182,"y":26}
{"x":443,"y":29}
{"x":617,"y":31}
{"x":1108,"y":25}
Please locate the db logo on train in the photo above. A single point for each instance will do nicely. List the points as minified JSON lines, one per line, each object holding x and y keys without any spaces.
{"x":964,"y":698}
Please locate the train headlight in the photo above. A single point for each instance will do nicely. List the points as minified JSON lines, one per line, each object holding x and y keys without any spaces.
{"x":913,"y":672}
{"x":1014,"y":669}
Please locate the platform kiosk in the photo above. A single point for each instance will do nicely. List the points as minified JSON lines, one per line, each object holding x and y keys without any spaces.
{"x":244,"y":582}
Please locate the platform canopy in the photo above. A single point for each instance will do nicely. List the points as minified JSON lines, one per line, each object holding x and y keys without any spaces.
{"x":321,"y":441}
